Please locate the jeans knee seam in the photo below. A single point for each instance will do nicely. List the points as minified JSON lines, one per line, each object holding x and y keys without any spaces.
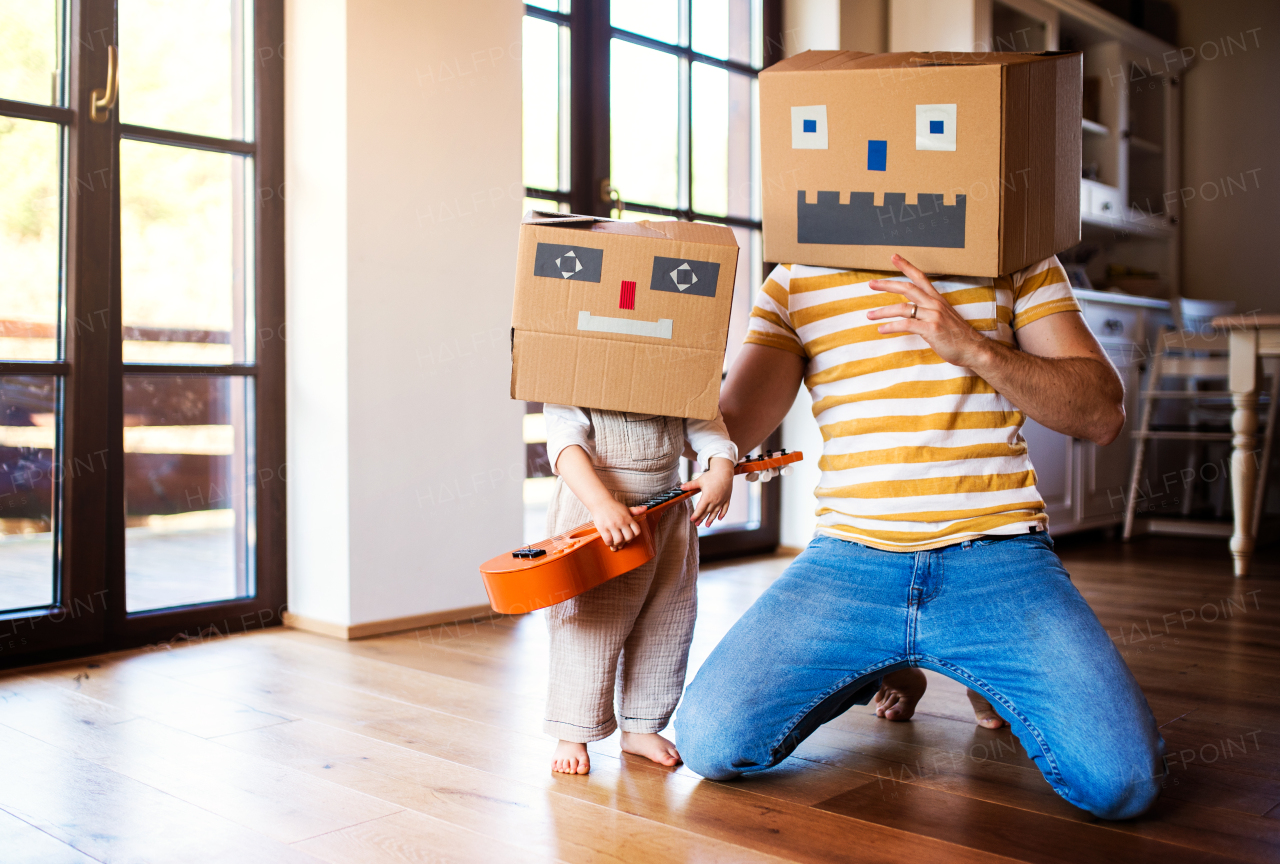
{"x":822,"y":697}
{"x":981,"y":685}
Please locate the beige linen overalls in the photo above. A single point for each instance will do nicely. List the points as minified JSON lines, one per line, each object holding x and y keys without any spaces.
{"x":632,"y":633}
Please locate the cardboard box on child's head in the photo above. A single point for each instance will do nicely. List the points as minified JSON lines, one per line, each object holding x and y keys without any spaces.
{"x":622,"y":316}
{"x":965,"y":164}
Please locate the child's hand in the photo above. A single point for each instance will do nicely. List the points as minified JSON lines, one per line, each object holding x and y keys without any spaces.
{"x":615,"y":522}
{"x":716,"y":485}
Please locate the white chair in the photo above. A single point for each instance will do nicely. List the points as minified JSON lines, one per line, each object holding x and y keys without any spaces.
{"x":1197,"y":360}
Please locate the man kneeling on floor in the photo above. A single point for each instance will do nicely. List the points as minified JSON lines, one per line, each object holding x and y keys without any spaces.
{"x":932,"y":550}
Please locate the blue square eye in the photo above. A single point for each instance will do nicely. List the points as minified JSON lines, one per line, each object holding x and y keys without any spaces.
{"x":811,"y":125}
{"x":877,"y":155}
{"x":935,"y":127}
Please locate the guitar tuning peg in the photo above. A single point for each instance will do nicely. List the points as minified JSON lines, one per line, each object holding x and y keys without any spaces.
{"x":785,"y":471}
{"x":753,"y":476}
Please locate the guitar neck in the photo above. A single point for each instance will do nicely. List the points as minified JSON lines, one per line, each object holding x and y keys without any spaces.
{"x":749,"y":465}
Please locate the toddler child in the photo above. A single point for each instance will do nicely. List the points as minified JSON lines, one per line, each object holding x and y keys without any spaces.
{"x":631,"y":634}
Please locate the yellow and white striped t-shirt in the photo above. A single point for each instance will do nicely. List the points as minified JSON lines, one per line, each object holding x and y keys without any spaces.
{"x":918,"y":453}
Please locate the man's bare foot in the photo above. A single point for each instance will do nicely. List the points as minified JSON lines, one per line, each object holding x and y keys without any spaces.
{"x":571,"y":758}
{"x":987,"y":716}
{"x":899,"y":693}
{"x":651,"y":746}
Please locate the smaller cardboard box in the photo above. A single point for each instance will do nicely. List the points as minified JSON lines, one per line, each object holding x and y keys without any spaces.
{"x":622,"y":316}
{"x":966,"y":164}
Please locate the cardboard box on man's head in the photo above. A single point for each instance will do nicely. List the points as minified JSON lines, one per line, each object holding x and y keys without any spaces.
{"x":965,"y":164}
{"x":622,"y":316}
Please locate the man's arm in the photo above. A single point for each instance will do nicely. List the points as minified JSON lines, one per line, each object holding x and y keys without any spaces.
{"x":1060,"y":378}
{"x":758,"y":392}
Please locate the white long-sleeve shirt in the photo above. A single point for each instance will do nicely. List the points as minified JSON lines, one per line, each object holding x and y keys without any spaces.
{"x":569,"y":425}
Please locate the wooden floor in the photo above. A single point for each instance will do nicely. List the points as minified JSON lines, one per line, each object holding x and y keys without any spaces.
{"x":426,"y":746}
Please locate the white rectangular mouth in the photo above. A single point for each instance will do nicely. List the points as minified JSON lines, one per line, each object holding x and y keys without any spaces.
{"x":660,"y":329}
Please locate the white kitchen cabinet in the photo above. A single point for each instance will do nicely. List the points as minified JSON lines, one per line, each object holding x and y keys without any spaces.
{"x":1084,"y":485}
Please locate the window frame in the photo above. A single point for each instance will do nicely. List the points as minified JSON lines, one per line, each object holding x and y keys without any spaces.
{"x":590,"y":35}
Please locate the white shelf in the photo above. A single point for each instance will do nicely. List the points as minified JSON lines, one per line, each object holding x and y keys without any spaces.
{"x":1141,"y":145}
{"x":1113,"y":224}
{"x":1095,"y":128}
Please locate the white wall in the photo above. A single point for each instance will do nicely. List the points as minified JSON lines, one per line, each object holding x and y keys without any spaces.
{"x":316,"y":307}
{"x":932,"y":25}
{"x":1229,"y":128}
{"x":431,"y":197}
{"x":810,"y":25}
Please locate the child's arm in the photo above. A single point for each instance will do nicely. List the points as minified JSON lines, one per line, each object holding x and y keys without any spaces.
{"x":710,"y":439}
{"x":570,"y":451}
{"x":614,"y":520}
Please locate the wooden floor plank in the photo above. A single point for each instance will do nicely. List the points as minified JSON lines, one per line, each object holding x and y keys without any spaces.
{"x":1018,"y":834}
{"x":256,"y":793}
{"x":138,"y":689}
{"x":571,"y":829}
{"x":114,"y":818}
{"x":26,"y":843}
{"x":407,"y":837}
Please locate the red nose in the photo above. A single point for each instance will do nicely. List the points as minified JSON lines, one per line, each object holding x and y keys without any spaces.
{"x":627,"y":299}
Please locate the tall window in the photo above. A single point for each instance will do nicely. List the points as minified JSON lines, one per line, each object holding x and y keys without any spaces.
{"x":645,"y":109}
{"x":141,"y":298}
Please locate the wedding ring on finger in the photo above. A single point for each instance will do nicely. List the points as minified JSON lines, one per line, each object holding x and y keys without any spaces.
{"x":914,"y":308}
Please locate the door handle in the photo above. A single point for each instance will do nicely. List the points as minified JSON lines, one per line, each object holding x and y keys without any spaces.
{"x":101,"y":101}
{"x":612,"y":197}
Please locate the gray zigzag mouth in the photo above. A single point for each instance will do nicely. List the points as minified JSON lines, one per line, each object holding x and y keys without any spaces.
{"x":928,"y":222}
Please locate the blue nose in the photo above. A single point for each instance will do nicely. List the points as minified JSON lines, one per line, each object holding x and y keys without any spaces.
{"x":877,"y":155}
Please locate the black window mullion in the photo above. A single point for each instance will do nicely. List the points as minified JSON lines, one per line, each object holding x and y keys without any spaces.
{"x":560,"y":18}
{"x":31,"y":111}
{"x":34,"y":367}
{"x":229,"y":370}
{"x":185,"y":139}
{"x":680,"y":51}
{"x":589,"y":33}
{"x":535,"y":192}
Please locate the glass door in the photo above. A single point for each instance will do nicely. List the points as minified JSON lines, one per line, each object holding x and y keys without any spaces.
{"x":186,"y":301}
{"x":142,"y":276}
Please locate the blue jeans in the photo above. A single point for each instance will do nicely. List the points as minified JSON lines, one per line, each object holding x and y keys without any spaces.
{"x":998,"y":615}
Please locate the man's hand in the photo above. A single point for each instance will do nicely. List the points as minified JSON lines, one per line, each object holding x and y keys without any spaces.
{"x":615,"y":521}
{"x":933,"y":318}
{"x":716,"y":485}
{"x":1058,"y":375}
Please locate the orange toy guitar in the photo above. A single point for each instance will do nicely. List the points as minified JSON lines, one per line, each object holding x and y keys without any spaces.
{"x":568,"y":564}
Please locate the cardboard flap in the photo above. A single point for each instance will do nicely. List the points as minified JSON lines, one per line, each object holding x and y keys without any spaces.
{"x":543,"y":217}
{"x":694,"y":232}
{"x":808,"y":59}
{"x":828,"y":61}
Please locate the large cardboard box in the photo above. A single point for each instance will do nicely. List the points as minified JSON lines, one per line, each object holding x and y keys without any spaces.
{"x":966,"y":164}
{"x":622,"y":316}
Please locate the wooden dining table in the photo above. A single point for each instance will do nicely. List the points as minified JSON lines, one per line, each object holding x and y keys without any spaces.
{"x":1253,"y":337}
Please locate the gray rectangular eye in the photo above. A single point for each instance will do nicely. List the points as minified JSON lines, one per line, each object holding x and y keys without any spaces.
{"x":568,"y":262}
{"x":685,"y":276}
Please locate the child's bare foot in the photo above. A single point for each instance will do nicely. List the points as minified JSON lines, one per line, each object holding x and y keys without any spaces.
{"x":899,"y":693}
{"x":571,"y":758}
{"x":987,"y":716}
{"x":651,"y":746}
